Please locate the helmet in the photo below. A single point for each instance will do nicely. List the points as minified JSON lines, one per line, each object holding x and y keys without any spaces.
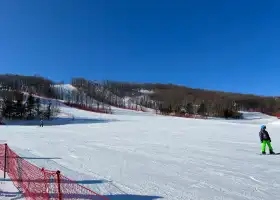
{"x":263,"y":126}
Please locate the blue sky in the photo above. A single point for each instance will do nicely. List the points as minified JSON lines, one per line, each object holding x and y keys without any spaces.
{"x":222,"y":45}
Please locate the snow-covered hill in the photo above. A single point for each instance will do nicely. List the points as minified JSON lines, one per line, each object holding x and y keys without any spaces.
{"x":67,"y":93}
{"x":138,"y":156}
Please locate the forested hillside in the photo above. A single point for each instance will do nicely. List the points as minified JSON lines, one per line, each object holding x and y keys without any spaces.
{"x":17,"y":97}
{"x":18,"y":101}
{"x":180,"y":99}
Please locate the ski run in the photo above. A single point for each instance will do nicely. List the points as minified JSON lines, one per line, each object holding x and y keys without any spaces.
{"x":143,"y":156}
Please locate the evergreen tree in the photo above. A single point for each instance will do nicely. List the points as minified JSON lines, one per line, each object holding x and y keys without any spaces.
{"x":1,"y":109}
{"x":49,"y":113}
{"x":227,"y":113}
{"x":202,"y":109}
{"x":30,"y":105}
{"x":189,"y":108}
{"x":7,"y":109}
{"x":19,"y":109}
{"x":38,"y":106}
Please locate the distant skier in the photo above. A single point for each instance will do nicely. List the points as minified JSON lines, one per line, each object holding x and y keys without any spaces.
{"x":265,"y":140}
{"x":41,"y":123}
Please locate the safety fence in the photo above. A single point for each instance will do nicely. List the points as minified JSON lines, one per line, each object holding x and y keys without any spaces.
{"x":184,"y":115}
{"x":191,"y":116}
{"x":38,"y":183}
{"x":105,"y":110}
{"x":134,"y":108}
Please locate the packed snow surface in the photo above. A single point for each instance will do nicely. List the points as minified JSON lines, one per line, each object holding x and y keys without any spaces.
{"x":142,"y":156}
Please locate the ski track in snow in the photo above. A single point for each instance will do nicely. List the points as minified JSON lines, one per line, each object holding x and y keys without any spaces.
{"x":155,"y":156}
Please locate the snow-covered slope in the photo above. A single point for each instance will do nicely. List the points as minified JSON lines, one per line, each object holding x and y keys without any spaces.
{"x":146,"y":91}
{"x":67,"y":87}
{"x":254,"y":118}
{"x":256,"y":115}
{"x":258,"y":118}
{"x":68,"y":92}
{"x":132,"y":156}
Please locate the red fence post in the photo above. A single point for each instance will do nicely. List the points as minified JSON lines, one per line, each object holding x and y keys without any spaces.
{"x":5,"y":161}
{"x":45,"y":183}
{"x":58,"y":185}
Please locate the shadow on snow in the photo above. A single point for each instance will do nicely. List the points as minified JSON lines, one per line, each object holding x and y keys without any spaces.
{"x":63,"y":181}
{"x":20,"y":195}
{"x":40,"y":158}
{"x":58,"y":122}
{"x":17,"y":195}
{"x":33,"y":158}
{"x":131,"y":197}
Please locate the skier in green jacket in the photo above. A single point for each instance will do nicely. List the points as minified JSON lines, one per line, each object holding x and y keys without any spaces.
{"x":265,"y":140}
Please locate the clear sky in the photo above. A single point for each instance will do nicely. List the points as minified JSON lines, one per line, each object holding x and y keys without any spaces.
{"x":231,"y":45}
